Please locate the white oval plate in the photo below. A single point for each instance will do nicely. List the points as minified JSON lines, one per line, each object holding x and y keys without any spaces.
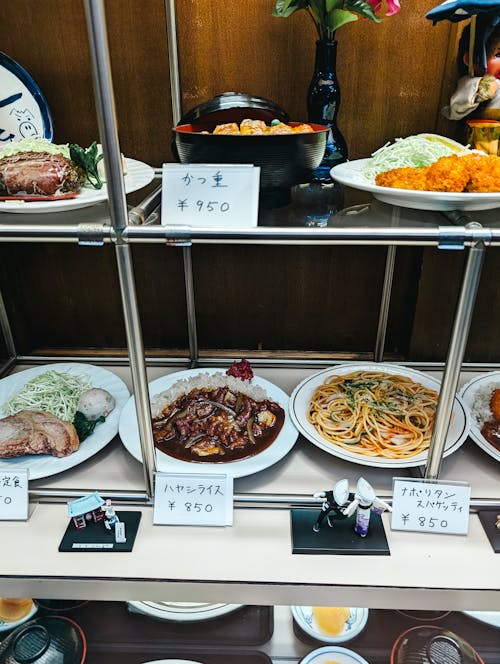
{"x":301,"y":396}
{"x":6,"y":626}
{"x":285,"y":440}
{"x":138,"y":176}
{"x":468,"y":395}
{"x":325,"y":655}
{"x":44,"y":465}
{"x":182,"y":611}
{"x":351,"y":174}
{"x":355,"y":624}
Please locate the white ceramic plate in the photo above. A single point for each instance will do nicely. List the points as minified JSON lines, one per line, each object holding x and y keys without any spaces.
{"x":468,"y":395}
{"x":351,"y":174}
{"x":285,"y":440}
{"x":23,"y":109}
{"x":355,"y":624}
{"x":44,"y":465}
{"x":138,"y":175}
{"x":487,"y":617}
{"x":7,"y":626}
{"x":336,"y":653}
{"x":301,"y":396}
{"x":182,"y":611}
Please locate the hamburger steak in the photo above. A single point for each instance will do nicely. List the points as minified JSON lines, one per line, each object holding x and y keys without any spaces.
{"x":39,"y":174}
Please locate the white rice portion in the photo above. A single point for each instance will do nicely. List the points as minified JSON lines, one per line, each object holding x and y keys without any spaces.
{"x":204,"y":380}
{"x":480,"y":409}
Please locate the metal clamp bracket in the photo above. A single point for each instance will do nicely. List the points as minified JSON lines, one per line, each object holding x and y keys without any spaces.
{"x":91,"y":234}
{"x":452,"y":238}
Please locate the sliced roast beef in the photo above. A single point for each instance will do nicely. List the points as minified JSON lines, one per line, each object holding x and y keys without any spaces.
{"x":39,"y":174}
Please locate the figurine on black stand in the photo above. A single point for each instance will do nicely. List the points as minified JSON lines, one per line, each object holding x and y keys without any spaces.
{"x":110,"y":516}
{"x":334,"y":502}
{"x":365,"y":502}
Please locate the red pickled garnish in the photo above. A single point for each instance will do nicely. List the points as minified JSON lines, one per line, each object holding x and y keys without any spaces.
{"x":241,"y":370}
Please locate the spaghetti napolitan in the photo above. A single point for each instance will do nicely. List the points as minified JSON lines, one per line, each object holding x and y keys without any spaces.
{"x":374,"y":414}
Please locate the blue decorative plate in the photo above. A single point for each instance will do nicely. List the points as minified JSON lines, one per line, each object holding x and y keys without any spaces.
{"x":23,"y":109}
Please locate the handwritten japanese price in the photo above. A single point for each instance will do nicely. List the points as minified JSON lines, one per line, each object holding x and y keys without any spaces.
{"x":210,"y":194}
{"x":14,"y":495}
{"x":193,"y":500}
{"x":431,"y":506}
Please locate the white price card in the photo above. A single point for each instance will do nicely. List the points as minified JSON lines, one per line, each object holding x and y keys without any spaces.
{"x":208,"y":195}
{"x":430,"y":506}
{"x":14,"y":495}
{"x":193,"y":500}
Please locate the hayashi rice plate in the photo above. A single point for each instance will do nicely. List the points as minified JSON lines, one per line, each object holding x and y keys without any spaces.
{"x":214,"y":418}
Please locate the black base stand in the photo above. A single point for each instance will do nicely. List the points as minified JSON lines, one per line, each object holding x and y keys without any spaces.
{"x":339,"y":539}
{"x":488,"y":520}
{"x":96,"y":537}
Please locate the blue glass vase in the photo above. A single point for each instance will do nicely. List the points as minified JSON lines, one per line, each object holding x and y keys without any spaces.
{"x":323,"y":100}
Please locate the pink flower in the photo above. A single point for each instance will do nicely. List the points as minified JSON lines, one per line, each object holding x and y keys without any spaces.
{"x":393,"y":6}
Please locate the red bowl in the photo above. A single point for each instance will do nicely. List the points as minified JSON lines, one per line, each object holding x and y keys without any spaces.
{"x":285,"y":160}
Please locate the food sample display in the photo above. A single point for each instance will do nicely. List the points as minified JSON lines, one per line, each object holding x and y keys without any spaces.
{"x":249,"y":127}
{"x":426,"y":172}
{"x":55,"y":416}
{"x":207,"y":416}
{"x":36,"y":168}
{"x":330,"y":624}
{"x":382,"y":415}
{"x":214,"y":417}
{"x":473,"y":172}
{"x":482,"y":396}
{"x":374,"y":414}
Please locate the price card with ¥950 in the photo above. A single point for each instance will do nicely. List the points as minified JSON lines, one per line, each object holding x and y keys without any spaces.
{"x":430,"y":506}
{"x":210,"y":195}
{"x":14,"y":495}
{"x":193,"y":500}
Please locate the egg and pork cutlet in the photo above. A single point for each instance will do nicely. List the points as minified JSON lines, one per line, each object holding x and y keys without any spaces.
{"x":473,"y":173}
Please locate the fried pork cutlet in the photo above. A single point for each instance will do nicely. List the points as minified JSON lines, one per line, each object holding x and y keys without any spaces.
{"x":474,"y":173}
{"x":484,"y":173}
{"x":403,"y":178}
{"x":447,"y":174}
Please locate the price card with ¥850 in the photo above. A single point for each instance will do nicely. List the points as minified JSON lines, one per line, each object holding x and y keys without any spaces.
{"x":210,"y":195}
{"x":430,"y":506}
{"x":193,"y":500}
{"x":14,"y":495}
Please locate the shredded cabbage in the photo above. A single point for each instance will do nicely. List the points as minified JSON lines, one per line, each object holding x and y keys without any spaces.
{"x":412,"y":152}
{"x":34,"y":144}
{"x":53,"y":392}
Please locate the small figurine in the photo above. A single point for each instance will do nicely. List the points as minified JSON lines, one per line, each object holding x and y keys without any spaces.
{"x":478,"y":88}
{"x":365,"y":502}
{"x":110,"y":516}
{"x":334,"y":501}
{"x":497,"y":523}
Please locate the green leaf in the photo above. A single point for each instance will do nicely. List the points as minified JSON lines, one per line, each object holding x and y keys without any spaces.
{"x":286,"y":8}
{"x":339,"y":17}
{"x":362,"y":8}
{"x":333,"y":4}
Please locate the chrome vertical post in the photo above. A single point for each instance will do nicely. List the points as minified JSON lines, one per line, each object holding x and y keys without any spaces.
{"x":106,"y":115}
{"x":190,"y":305}
{"x":456,"y":350}
{"x":173,"y":59}
{"x":385,"y":301}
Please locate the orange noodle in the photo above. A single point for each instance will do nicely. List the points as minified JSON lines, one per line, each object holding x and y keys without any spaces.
{"x":374,"y":414}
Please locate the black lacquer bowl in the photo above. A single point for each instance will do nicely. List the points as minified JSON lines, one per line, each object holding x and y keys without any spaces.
{"x":285,"y":159}
{"x":47,"y":640}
